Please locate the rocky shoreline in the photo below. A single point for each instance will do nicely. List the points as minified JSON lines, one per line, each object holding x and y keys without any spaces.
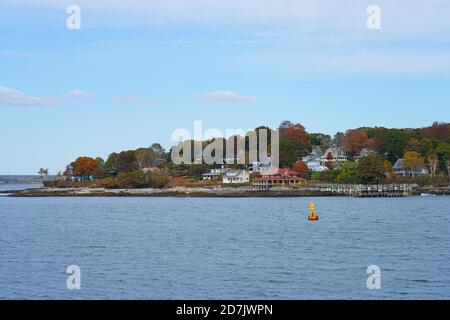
{"x":233,"y":192}
{"x":217,"y":192}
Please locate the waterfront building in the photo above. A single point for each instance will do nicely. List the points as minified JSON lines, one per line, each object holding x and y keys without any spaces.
{"x":275,"y":176}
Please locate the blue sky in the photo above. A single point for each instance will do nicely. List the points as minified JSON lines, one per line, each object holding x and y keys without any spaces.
{"x":138,"y":70}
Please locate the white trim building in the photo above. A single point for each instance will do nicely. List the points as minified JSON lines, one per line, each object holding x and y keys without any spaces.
{"x":236,"y":176}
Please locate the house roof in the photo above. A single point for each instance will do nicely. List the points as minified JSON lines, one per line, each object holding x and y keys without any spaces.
{"x":398,"y":165}
{"x":366,"y":152}
{"x":211,"y":174}
{"x":316,"y":151}
{"x":280,"y":178}
{"x":234,"y":173}
{"x":279,"y":172}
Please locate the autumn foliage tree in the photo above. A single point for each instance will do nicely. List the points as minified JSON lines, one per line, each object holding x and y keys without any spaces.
{"x":438,"y":131}
{"x":412,"y":161}
{"x":355,"y":141}
{"x":388,"y":169}
{"x":295,"y":132}
{"x":294,"y":143}
{"x":85,"y":166}
{"x":301,"y":168}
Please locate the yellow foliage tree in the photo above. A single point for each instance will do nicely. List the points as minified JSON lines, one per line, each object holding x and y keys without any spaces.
{"x":412,"y":161}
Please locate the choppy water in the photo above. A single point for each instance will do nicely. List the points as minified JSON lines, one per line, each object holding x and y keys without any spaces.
{"x":196,"y":248}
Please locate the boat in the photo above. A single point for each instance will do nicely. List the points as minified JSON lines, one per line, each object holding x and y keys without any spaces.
{"x":313,"y":216}
{"x":427,"y":195}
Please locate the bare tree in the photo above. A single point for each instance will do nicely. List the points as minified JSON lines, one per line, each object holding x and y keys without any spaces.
{"x":433,"y":161}
{"x":142,"y":156}
{"x":157,"y":154}
{"x":43,"y":173}
{"x":448,"y":168}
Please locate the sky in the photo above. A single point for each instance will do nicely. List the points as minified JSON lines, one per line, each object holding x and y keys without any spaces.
{"x":138,"y":70}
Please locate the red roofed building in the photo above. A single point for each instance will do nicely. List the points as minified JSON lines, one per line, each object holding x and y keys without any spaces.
{"x":275,"y":176}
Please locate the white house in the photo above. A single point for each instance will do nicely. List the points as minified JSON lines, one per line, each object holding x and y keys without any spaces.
{"x":314,"y":160}
{"x":258,"y":167}
{"x":236,"y":176}
{"x":215,"y":173}
{"x":315,"y":155}
{"x":316,"y":166}
{"x":334,"y":154}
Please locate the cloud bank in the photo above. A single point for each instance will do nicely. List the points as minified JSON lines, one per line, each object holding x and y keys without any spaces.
{"x":12,"y":97}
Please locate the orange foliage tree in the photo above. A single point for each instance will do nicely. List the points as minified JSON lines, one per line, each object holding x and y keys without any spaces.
{"x":301,"y":168}
{"x":85,"y":166}
{"x":355,"y":141}
{"x":297,"y":133}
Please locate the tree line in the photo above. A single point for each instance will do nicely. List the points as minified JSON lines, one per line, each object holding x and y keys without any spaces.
{"x":152,"y":166}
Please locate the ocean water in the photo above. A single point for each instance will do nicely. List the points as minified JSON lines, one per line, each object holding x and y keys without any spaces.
{"x":201,"y":248}
{"x":8,"y":187}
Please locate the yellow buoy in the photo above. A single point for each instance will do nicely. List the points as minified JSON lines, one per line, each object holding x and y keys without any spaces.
{"x":313,"y":216}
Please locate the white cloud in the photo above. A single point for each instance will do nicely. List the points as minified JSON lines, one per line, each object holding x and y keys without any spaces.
{"x":13,"y":97}
{"x":224,"y":95}
{"x":77,"y":93}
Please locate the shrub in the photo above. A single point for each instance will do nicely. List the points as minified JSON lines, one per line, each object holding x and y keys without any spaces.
{"x":439,"y":180}
{"x":349,"y":173}
{"x":329,"y":176}
{"x":139,"y":180}
{"x":371,"y":169}
{"x":108,"y":183}
{"x":132,"y":180}
{"x":159,"y":179}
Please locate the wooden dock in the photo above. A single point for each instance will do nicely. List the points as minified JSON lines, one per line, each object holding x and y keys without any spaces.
{"x":260,"y":188}
{"x":368,"y":191}
{"x":350,"y":190}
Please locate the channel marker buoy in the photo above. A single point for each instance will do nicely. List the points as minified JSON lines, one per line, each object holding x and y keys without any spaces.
{"x":313,"y":216}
